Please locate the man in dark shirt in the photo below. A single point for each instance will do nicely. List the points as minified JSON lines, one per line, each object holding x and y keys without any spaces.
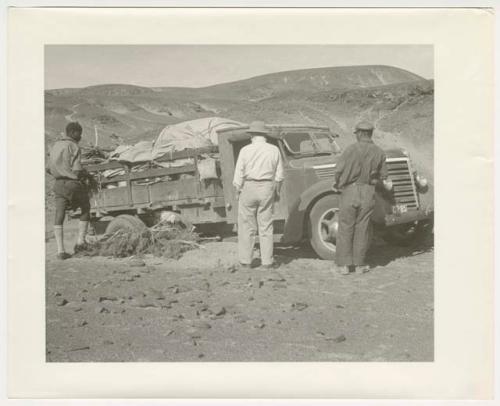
{"x":360,"y":167}
{"x":70,"y":192}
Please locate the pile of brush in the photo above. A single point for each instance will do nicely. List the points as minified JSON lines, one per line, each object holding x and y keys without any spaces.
{"x":162,"y":240}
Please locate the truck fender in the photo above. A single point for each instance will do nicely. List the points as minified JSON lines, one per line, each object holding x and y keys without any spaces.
{"x":296,"y":221}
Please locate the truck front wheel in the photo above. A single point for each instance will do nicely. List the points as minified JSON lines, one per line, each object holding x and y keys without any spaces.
{"x":323,"y":220}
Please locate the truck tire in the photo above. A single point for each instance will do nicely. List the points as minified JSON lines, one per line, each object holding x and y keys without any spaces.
{"x":323,"y":220}
{"x":125,"y":222}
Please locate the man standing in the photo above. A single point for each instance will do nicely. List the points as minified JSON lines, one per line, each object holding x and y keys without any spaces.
{"x":360,"y":167}
{"x":257,"y":178}
{"x":70,"y":192}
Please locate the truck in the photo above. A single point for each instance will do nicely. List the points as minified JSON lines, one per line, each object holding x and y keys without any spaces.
{"x":308,"y":206}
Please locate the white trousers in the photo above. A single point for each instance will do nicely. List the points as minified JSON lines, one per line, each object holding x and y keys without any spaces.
{"x":255,"y":213}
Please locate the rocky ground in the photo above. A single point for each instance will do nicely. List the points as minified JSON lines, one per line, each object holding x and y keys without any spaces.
{"x":203,"y":308}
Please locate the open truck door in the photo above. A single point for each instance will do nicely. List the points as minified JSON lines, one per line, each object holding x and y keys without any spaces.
{"x":230,"y":144}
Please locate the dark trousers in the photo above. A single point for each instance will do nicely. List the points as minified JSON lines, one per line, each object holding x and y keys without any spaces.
{"x":70,"y":194}
{"x":355,"y":231}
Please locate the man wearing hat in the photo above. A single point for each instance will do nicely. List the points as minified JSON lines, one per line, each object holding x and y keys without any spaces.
{"x":70,"y":192}
{"x":257,"y":178}
{"x":360,"y":167}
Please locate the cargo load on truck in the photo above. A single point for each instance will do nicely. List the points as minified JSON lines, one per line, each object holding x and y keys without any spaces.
{"x":200,"y":135}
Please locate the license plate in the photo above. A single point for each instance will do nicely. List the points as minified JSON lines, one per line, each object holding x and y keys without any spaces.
{"x":399,"y":209}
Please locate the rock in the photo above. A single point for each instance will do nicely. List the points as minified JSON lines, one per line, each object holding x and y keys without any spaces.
{"x":193,"y":332}
{"x":320,"y":333}
{"x":251,"y":299}
{"x":81,"y":323}
{"x":57,"y":294}
{"x":220,"y":311}
{"x":241,"y":318}
{"x":143,"y":303}
{"x":276,"y":277}
{"x":101,"y":310}
{"x":109,"y":298}
{"x":201,"y":355}
{"x":339,"y":306}
{"x":61,"y":302}
{"x":83,"y":299}
{"x":339,"y":338}
{"x":260,"y":325}
{"x":156,"y":294}
{"x":169,"y":333}
{"x":176,"y":290}
{"x":108,"y":342}
{"x":79,"y":348}
{"x":78,"y":309}
{"x":299,"y":306}
{"x":136,"y":262}
{"x":202,"y":325}
{"x":203,"y":308}
{"x":232,"y":268}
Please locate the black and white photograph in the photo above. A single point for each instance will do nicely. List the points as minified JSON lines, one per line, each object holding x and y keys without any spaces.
{"x":251,"y":203}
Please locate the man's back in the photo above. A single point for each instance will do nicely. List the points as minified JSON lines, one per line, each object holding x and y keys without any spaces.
{"x":259,"y":161}
{"x":361,"y":162}
{"x":64,"y":159}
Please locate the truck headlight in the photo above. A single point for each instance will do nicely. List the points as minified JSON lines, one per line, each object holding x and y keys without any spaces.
{"x":421,"y":182}
{"x":387,"y":184}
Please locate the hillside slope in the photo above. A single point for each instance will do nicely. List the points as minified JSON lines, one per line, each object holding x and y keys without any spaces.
{"x":400,"y":103}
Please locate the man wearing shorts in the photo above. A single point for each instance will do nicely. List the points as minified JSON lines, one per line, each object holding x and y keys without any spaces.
{"x":70,"y":192}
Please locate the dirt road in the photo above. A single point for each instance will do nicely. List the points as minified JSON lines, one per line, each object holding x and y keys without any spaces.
{"x":202,"y":308}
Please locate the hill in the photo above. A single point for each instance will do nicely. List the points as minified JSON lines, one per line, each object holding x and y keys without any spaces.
{"x":400,"y":103}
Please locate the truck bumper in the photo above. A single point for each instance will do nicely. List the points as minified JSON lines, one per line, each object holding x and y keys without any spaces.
{"x":408,"y":217}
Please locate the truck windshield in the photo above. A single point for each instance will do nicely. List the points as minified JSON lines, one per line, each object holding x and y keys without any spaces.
{"x":305,"y":143}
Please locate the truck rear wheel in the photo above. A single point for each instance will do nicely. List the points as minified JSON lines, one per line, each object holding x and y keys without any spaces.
{"x":323,"y":219}
{"x":125,"y":222}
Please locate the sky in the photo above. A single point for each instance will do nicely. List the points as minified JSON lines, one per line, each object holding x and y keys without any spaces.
{"x":205,"y":65}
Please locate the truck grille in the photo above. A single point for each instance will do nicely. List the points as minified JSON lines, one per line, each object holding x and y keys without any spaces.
{"x":325,"y":171}
{"x":402,"y":178}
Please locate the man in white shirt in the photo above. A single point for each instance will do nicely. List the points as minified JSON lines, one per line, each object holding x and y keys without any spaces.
{"x":257,"y":178}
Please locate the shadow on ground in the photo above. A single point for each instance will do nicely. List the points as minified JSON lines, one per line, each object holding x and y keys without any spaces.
{"x":379,"y":254}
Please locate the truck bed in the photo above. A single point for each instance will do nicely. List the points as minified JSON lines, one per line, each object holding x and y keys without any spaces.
{"x":174,"y":188}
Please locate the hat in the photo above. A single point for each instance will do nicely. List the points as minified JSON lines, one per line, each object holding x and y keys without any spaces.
{"x":363,"y":126}
{"x":258,"y":127}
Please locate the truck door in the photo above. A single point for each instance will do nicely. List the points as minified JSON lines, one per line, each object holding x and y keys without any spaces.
{"x":230,"y":144}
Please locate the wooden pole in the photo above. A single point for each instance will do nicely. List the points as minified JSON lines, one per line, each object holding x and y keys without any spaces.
{"x":96,"y":136}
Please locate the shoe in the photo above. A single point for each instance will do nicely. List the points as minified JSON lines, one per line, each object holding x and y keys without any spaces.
{"x":63,"y":255}
{"x":266,"y":267}
{"x":362,"y":269}
{"x":343,"y":270}
{"x":80,"y":247}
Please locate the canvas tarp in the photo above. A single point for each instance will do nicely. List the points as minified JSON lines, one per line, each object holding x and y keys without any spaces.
{"x":177,"y":137}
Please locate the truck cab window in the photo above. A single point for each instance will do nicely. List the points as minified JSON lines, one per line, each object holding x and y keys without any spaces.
{"x":304,"y":143}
